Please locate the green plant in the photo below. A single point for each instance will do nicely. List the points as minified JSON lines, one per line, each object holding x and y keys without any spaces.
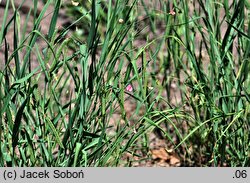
{"x":183,"y":66}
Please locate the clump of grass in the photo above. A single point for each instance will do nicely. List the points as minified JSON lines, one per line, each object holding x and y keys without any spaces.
{"x":186,"y":73}
{"x":205,"y":49}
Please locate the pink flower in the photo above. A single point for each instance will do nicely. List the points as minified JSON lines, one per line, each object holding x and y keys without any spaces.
{"x":129,"y":88}
{"x":172,"y":12}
